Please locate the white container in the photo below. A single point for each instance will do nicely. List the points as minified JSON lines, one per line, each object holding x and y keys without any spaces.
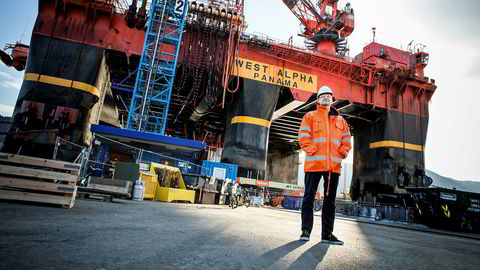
{"x":138,"y":191}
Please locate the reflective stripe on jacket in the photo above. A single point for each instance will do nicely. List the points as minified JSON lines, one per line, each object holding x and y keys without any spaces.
{"x":325,"y":138}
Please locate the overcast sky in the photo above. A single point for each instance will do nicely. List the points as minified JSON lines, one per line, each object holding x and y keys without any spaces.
{"x":448,"y":29}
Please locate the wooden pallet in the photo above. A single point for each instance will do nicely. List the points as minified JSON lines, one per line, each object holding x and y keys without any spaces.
{"x":40,"y":180}
{"x":112,"y":185}
{"x":104,"y":194}
{"x":93,"y":195}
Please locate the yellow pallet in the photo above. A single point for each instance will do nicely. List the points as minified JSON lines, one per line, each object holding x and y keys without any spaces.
{"x":150,"y":185}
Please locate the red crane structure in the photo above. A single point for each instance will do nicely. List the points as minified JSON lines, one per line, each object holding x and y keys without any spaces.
{"x":244,"y":95}
{"x":324,"y":31}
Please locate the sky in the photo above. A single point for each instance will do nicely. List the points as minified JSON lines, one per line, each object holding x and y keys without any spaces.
{"x":16,"y":17}
{"x":446,"y":28}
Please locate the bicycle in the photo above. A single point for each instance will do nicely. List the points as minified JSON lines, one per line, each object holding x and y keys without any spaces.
{"x":241,"y":199}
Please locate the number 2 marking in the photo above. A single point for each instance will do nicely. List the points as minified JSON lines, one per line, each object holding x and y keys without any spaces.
{"x":179,"y":7}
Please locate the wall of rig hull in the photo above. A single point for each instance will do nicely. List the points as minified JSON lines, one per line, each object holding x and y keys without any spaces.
{"x":58,"y":91}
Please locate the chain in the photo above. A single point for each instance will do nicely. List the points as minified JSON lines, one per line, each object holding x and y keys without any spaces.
{"x":196,"y":64}
{"x":186,"y":62}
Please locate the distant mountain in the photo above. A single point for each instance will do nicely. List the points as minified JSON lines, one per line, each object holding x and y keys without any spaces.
{"x":5,"y":123}
{"x":447,"y":182}
{"x":438,"y":180}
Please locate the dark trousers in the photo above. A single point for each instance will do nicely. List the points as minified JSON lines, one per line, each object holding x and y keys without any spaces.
{"x":312,"y":179}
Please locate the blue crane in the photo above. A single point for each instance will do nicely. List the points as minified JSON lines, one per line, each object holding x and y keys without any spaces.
{"x":156,"y":70}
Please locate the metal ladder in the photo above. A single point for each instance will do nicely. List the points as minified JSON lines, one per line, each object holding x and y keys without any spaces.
{"x":156,"y":71}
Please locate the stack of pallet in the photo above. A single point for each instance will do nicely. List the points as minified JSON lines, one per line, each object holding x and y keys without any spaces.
{"x":38,"y":180}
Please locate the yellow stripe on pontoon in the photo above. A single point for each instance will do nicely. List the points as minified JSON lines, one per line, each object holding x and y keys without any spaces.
{"x":62,"y":82}
{"x":251,"y":120}
{"x":397,"y":144}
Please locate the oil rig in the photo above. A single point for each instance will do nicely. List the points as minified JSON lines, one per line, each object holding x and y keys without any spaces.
{"x":188,"y":70}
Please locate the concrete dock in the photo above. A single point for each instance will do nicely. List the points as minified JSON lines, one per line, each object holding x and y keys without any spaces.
{"x":153,"y":235}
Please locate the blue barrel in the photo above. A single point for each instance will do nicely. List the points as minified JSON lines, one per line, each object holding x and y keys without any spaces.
{"x":298,"y":202}
{"x":288,"y":202}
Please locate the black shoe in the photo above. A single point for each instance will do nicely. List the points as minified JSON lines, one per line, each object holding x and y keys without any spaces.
{"x":305,"y":236}
{"x":331,"y":239}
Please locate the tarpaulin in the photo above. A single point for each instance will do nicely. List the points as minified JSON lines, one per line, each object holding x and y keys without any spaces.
{"x":248,"y":125}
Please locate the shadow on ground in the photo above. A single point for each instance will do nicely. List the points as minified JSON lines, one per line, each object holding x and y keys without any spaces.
{"x":309,"y":259}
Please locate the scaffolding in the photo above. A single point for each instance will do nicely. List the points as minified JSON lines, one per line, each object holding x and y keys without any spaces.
{"x":156,"y":71}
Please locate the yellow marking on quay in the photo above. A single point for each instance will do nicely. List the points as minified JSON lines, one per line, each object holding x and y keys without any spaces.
{"x":445,"y":210}
{"x":251,"y":120}
{"x":397,"y":144}
{"x":62,"y":82}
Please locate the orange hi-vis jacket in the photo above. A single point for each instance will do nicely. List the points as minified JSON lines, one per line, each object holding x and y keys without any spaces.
{"x":325,"y":138}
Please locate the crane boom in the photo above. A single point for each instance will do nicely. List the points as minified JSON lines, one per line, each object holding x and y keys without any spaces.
{"x":306,"y":12}
{"x":324,"y":32}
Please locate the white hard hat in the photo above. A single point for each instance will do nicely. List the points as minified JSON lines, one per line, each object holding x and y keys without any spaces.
{"x":324,"y":90}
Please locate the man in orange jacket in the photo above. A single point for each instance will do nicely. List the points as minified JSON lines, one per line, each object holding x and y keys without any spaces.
{"x":326,"y":139}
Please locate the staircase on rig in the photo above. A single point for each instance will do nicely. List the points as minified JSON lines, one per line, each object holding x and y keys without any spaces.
{"x":156,"y":71}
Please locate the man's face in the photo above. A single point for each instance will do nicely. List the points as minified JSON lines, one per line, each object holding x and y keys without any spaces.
{"x":325,"y":100}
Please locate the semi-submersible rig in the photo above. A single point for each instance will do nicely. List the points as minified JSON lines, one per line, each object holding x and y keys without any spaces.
{"x":187,"y":69}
